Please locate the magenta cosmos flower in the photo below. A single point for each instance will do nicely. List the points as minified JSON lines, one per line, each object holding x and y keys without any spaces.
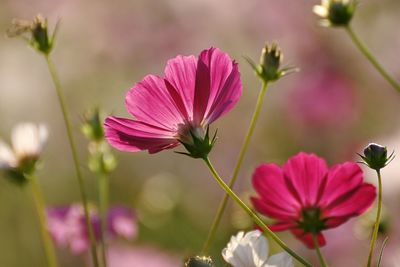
{"x":177,"y":108}
{"x":67,"y":226}
{"x":307,"y":197}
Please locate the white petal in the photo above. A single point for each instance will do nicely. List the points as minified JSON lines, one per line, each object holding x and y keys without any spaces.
{"x":260,"y":247}
{"x":7,"y":158}
{"x":43,"y":134}
{"x":321,"y":11}
{"x":326,"y":3}
{"x":282,"y":259}
{"x":249,"y":250}
{"x":28,"y":139}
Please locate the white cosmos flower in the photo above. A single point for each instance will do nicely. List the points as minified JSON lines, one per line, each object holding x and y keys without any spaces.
{"x":251,"y":250}
{"x":27,"y":141}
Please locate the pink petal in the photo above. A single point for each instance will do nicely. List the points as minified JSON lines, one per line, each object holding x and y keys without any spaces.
{"x":305,"y":175}
{"x":342,"y":179}
{"x":336,"y":221}
{"x":225,"y":84}
{"x":150,"y":102}
{"x":181,"y":74}
{"x":202,"y":90}
{"x":282,"y":226}
{"x":226,"y":97}
{"x":307,"y":239}
{"x":272,"y":209}
{"x":269,"y":183}
{"x":353,"y":203}
{"x":132,"y":136}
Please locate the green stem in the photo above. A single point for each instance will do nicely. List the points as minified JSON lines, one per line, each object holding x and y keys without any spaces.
{"x":103,"y":207}
{"x":40,"y":209}
{"x":377,"y":221}
{"x":317,"y":249}
{"x":72,"y":144}
{"x":243,"y":150}
{"x":371,"y":58}
{"x":254,"y":216}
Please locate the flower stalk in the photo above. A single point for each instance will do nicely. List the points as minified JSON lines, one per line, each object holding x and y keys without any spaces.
{"x":72,"y":144}
{"x":40,"y":210}
{"x":378,"y":219}
{"x":103,"y":207}
{"x":365,"y":51}
{"x":243,"y":150}
{"x":253,"y":215}
{"x":318,"y":251}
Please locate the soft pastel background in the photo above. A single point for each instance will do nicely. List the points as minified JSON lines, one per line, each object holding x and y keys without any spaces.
{"x":334,"y":106}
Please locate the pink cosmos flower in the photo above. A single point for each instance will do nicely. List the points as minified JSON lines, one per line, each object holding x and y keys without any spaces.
{"x":324,"y":100}
{"x":68,"y":228}
{"x":307,"y":197}
{"x":194,"y":92}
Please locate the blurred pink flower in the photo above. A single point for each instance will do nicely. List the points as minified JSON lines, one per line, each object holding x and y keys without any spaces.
{"x":306,"y":197}
{"x":124,"y":256}
{"x":194,"y":93}
{"x":323,"y":100}
{"x":68,"y":228}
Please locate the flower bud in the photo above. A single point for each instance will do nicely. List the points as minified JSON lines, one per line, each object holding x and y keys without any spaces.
{"x":335,"y":12}
{"x":376,"y":157}
{"x":92,"y":127}
{"x":101,"y":160}
{"x":270,"y":62}
{"x":37,"y":31}
{"x":199,"y":262}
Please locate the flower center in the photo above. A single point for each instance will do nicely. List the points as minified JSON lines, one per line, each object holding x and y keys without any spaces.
{"x":311,"y":221}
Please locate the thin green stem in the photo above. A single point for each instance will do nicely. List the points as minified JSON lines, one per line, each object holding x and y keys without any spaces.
{"x":72,"y":144}
{"x":40,"y":210}
{"x":103,"y":207}
{"x":318,"y":251}
{"x":360,"y":45}
{"x":243,"y":150}
{"x":254,"y":216}
{"x":377,"y":221}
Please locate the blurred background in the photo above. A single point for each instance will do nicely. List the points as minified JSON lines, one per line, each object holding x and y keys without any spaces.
{"x":333,"y":107}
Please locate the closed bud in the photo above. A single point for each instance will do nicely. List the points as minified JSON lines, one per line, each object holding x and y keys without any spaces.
{"x":335,"y":12}
{"x":199,"y":261}
{"x":376,"y":156}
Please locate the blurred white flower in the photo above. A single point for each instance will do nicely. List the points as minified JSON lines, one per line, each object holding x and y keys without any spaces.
{"x":251,"y":250}
{"x":27,"y":141}
{"x":322,"y":10}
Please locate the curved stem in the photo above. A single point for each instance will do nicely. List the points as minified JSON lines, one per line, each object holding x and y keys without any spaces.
{"x":103,"y":207}
{"x":254,"y":216}
{"x":72,"y":144}
{"x":317,"y":249}
{"x":377,"y":221}
{"x":40,"y":210}
{"x":371,"y":58}
{"x":243,"y":150}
